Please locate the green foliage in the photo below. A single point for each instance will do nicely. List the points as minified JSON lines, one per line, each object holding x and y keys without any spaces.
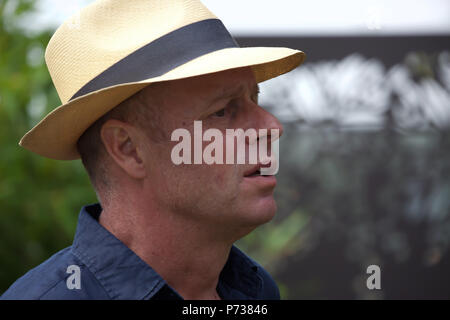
{"x":272,"y":242}
{"x":39,"y":198}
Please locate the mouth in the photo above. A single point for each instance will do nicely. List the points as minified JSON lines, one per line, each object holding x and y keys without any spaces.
{"x":256,"y":171}
{"x":254,"y":178}
{"x":254,"y":174}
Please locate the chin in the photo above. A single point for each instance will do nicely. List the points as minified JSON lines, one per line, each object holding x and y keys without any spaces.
{"x":261,"y":211}
{"x":255,"y":216}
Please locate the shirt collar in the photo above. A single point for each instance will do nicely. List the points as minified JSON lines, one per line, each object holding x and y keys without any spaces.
{"x":125,"y":276}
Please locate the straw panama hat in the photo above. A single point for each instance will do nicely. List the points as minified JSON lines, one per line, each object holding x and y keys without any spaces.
{"x":111,"y":49}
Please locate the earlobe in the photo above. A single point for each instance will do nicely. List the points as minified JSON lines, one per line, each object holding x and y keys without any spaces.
{"x":121,"y":143}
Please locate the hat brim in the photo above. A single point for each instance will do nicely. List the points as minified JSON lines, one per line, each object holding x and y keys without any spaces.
{"x":57,"y":134}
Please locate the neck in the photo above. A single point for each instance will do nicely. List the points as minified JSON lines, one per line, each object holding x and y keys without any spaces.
{"x":186,"y":254}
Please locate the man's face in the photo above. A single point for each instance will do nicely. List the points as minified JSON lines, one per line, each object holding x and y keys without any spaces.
{"x":221,"y":196}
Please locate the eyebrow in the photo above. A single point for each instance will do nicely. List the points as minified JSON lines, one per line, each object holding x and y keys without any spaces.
{"x":234,"y":92}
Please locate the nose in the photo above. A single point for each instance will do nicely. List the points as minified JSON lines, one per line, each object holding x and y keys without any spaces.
{"x":265,"y":120}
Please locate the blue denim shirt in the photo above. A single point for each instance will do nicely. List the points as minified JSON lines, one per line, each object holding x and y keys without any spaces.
{"x":110,"y":270}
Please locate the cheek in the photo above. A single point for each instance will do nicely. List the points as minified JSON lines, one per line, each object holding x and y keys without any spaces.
{"x":227,"y":185}
{"x":210,"y":179}
{"x":223,"y":178}
{"x":193,"y":178}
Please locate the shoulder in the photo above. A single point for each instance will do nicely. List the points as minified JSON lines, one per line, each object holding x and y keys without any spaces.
{"x":49,"y":281}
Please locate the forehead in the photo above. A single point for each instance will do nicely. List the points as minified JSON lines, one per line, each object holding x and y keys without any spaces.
{"x":219,"y":83}
{"x":185,"y":98}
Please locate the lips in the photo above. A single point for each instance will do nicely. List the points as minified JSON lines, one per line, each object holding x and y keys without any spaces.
{"x":254,"y":179}
{"x":255,"y":173}
{"x":256,"y":170}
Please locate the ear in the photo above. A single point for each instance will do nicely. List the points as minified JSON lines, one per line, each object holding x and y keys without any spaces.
{"x":122,"y":142}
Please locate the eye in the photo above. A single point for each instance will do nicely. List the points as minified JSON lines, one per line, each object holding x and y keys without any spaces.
{"x":228,"y":111}
{"x":220,"y":113}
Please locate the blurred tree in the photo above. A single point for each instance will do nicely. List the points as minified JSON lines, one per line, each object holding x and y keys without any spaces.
{"x":39,"y":198}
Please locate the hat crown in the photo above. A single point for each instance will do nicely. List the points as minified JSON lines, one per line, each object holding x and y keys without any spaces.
{"x":107,"y":31}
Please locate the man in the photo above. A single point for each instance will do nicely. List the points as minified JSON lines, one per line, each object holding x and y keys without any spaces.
{"x":129,"y":76}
